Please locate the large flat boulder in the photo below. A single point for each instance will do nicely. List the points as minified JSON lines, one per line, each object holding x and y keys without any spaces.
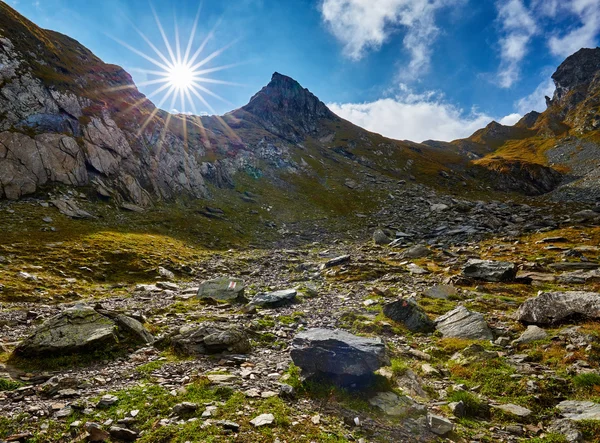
{"x":489,"y":270}
{"x":462,"y":323}
{"x":336,"y":352}
{"x":553,"y":307}
{"x":410,"y":314}
{"x":222,"y":289}
{"x":82,"y":329}
{"x":579,"y":410}
{"x":210,"y":338}
{"x":274,"y":299}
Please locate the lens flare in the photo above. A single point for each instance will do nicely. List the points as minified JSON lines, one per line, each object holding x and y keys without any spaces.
{"x":181,"y":76}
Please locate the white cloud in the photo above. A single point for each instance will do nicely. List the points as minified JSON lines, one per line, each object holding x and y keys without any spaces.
{"x":362,"y":25}
{"x":536,"y":101}
{"x":416,"y":118}
{"x":510,"y":119}
{"x":518,"y":27}
{"x":584,"y":36}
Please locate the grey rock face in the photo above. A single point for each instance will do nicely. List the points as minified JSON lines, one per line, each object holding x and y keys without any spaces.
{"x":327,"y":351}
{"x":275,"y":298}
{"x":410,"y":314}
{"x":222,"y":289}
{"x":210,"y":338}
{"x":579,"y":410}
{"x":83,"y":329}
{"x":552,"y":307}
{"x":489,"y":270}
{"x":462,"y":323}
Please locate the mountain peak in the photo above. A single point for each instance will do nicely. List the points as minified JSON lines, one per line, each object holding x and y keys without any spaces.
{"x":287,"y":108}
{"x":576,"y":71}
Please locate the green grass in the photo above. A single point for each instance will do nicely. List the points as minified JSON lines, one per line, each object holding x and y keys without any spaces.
{"x":9,"y":385}
{"x":585,"y":381}
{"x":474,"y":407}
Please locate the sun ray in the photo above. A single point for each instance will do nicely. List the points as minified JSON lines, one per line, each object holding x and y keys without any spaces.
{"x":188,"y":49}
{"x":140,"y":53}
{"x":218,"y":68}
{"x":212,"y":55}
{"x":177,"y":42}
{"x":202,"y":99}
{"x":154,"y":48}
{"x":209,"y":92}
{"x":218,"y":82}
{"x":162,"y":32}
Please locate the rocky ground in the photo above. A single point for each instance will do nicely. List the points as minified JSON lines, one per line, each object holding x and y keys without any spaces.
{"x":471,"y":353}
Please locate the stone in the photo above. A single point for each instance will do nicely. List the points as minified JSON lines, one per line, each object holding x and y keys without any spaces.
{"x":579,"y":410}
{"x":337,"y":261}
{"x":439,"y":425}
{"x":458,"y":408}
{"x":263,"y":420}
{"x":96,"y":433}
{"x":517,"y":410}
{"x":77,"y":329}
{"x":398,"y":406}
{"x":222,"y":379}
{"x":441,"y":292}
{"x":326,"y":351}
{"x":531,"y":334}
{"x":380,"y":237}
{"x":287,"y":391}
{"x":222,"y":289}
{"x":567,"y":429}
{"x":210,"y":338}
{"x":410,"y":314}
{"x":580,"y":277}
{"x":274,"y":299}
{"x":417,"y":251}
{"x":185,"y":408}
{"x":462,"y":323}
{"x":411,"y":384}
{"x":228,"y":424}
{"x":124,"y":434}
{"x":165,"y":273}
{"x":489,"y":270}
{"x":416,"y":269}
{"x":574,"y":266}
{"x":553,"y":307}
{"x":70,"y":209}
{"x":438,"y":207}
{"x":107,"y":401}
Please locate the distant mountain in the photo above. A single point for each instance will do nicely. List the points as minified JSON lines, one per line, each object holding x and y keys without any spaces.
{"x":565,"y":138}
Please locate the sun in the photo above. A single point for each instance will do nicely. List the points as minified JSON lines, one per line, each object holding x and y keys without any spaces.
{"x":181,"y":76}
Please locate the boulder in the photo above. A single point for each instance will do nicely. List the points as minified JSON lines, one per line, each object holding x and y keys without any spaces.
{"x":462,"y":323}
{"x":441,"y":292}
{"x":70,"y":209}
{"x":567,"y":429}
{"x":275,"y":298}
{"x":552,"y":307}
{"x":512,"y":409}
{"x":222,"y":289}
{"x":579,"y":410}
{"x":439,"y":425}
{"x":380,"y":237}
{"x":339,"y":353}
{"x":399,"y":406}
{"x":82,"y":329}
{"x":531,"y":334}
{"x":417,"y":251}
{"x":489,"y":270}
{"x":210,"y":338}
{"x":410,"y":314}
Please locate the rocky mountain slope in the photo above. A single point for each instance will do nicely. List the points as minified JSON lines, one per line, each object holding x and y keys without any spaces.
{"x":556,"y":149}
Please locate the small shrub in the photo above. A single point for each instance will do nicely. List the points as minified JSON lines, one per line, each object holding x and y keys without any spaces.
{"x":589,"y":380}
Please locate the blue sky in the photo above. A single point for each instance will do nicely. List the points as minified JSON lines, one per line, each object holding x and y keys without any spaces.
{"x":409,"y":69}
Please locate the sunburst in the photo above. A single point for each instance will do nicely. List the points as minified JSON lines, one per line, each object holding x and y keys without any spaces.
{"x":181,"y":76}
